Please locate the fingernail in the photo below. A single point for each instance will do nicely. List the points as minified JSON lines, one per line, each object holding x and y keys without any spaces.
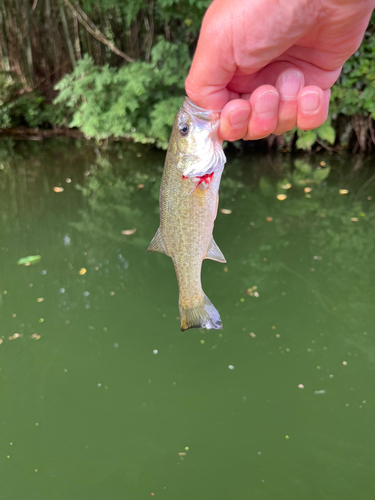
{"x":289,"y":84}
{"x":266,"y":104}
{"x":309,"y":102}
{"x":239,"y":117}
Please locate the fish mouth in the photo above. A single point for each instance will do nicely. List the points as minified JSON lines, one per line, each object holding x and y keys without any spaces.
{"x":206,"y":153}
{"x":201,"y":113}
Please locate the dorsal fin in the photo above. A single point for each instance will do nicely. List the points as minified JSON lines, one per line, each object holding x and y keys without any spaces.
{"x":214,"y":252}
{"x":157,"y":244}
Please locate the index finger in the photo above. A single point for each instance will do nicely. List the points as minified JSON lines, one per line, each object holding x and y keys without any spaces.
{"x":212,"y":67}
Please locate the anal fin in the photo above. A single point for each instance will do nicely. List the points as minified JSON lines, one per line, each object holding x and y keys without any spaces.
{"x":157,"y":244}
{"x":214,"y":252}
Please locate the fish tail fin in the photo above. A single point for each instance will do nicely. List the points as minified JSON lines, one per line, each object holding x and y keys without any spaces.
{"x":202,"y":315}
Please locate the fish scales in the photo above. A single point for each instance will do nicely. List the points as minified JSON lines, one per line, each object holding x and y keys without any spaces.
{"x":188,"y":208}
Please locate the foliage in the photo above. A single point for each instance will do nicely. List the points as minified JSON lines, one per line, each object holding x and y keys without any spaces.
{"x":104,"y":96}
{"x":307,"y":139}
{"x":138,"y":100}
{"x":354,"y":92}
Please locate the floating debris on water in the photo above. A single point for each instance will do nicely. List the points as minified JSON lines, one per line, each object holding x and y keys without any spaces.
{"x":343,"y":191}
{"x":286,"y":437}
{"x":307,"y":190}
{"x":301,"y":386}
{"x":281,"y":197}
{"x":155,"y":351}
{"x":252,"y":291}
{"x":231,"y":367}
{"x":82,"y":271}
{"x":29,"y":260}
{"x":269,"y":219}
{"x":344,"y":363}
{"x":286,"y":186}
{"x":1,"y":341}
{"x":40,"y":299}
{"x":58,"y":189}
{"x":140,"y":186}
{"x":201,"y":341}
{"x":182,"y":454}
{"x":14,"y":336}
{"x":129,"y":232}
{"x":354,"y":219}
{"x":225,"y":211}
{"x":68,"y":181}
{"x":35,"y":336}
{"x":252,"y":334}
{"x":322,"y":391}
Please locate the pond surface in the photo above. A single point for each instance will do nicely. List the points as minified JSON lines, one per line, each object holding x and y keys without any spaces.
{"x":102,"y":396}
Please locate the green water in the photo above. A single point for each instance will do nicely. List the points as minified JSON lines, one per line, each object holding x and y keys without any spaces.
{"x":114,"y":402}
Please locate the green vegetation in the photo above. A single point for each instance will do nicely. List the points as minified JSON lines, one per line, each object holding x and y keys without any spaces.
{"x":117,"y":69}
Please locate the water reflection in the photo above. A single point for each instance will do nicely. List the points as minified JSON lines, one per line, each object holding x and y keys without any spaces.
{"x":280,"y":402}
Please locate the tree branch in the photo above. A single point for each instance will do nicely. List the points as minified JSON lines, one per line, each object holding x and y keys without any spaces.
{"x":94,"y":31}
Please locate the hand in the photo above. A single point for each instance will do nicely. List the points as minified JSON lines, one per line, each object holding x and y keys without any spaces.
{"x":269,"y":65}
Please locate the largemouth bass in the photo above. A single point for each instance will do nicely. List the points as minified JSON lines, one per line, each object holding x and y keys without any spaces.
{"x":188,"y":207}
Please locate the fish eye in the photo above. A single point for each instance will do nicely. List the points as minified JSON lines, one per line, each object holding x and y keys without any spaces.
{"x":184,"y":129}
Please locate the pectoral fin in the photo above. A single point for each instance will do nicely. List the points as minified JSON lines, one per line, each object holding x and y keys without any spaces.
{"x":157,"y":244}
{"x":214,"y":252}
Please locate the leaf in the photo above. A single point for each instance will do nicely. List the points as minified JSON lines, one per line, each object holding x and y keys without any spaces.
{"x":306,"y":139}
{"x":327,"y":133}
{"x":28,"y":261}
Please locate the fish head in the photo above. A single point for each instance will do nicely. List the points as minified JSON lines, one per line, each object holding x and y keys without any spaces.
{"x":195,"y":142}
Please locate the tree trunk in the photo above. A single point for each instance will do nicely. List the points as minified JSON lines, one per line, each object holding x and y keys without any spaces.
{"x":29,"y":53}
{"x":67,"y":36}
{"x":4,"y":42}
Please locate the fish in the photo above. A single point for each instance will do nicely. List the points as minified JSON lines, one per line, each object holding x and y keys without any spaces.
{"x":189,"y":196}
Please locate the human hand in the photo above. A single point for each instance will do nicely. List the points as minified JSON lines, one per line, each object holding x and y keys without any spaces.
{"x":269,"y":65}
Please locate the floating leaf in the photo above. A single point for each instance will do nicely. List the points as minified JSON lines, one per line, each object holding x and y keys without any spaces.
{"x":29,"y":260}
{"x":343,"y":191}
{"x":129,"y":232}
{"x":281,"y":197}
{"x":15,"y":336}
{"x":82,"y":271}
{"x":225,"y":211}
{"x":58,"y":189}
